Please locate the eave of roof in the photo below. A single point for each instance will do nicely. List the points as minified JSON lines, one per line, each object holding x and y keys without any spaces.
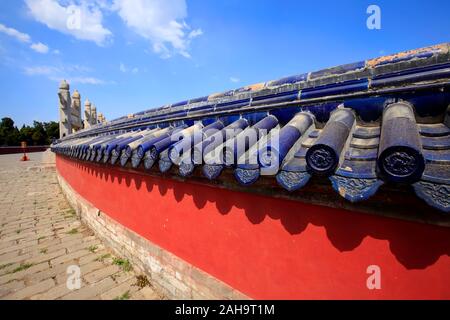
{"x":415,"y":84}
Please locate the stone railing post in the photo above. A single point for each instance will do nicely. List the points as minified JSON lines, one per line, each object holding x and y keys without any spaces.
{"x":65,"y":123}
{"x":93,"y":115}
{"x":87,"y":113}
{"x":76,"y":111}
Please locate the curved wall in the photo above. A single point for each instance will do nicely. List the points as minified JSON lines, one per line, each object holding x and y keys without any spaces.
{"x":270,"y":248}
{"x":29,"y":149}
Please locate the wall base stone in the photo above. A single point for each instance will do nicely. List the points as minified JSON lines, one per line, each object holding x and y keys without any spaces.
{"x":176,"y":278}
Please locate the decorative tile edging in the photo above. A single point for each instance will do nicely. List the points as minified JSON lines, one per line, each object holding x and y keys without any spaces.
{"x":176,"y":278}
{"x":413,"y":68}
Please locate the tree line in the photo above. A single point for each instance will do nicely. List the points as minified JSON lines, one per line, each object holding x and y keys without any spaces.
{"x":41,"y":133}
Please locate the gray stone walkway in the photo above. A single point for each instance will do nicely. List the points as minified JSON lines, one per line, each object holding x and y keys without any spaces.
{"x":41,"y":236}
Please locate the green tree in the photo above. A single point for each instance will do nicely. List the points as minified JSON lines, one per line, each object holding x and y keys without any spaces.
{"x":41,"y":133}
{"x":9,"y":135}
{"x":26,"y":134}
{"x":52,"y":130}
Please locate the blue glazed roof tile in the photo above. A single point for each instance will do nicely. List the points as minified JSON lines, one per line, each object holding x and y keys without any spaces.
{"x":338,"y":70}
{"x":350,"y":126}
{"x":288,"y":80}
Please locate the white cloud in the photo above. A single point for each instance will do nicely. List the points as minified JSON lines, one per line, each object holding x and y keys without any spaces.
{"x":123,"y":68}
{"x":234,"y":79}
{"x":41,"y":70}
{"x":56,"y":51}
{"x":195,"y":33}
{"x":162,"y":22}
{"x":72,"y":73}
{"x":39,"y":47}
{"x":22,"y":37}
{"x":25,"y":38}
{"x":86,"y":80}
{"x":77,"y":68}
{"x":83,"y":21}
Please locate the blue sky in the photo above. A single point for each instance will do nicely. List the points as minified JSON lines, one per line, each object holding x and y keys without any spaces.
{"x":129,"y":56}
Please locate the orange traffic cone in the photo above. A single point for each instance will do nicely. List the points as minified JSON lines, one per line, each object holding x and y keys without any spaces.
{"x":24,"y":157}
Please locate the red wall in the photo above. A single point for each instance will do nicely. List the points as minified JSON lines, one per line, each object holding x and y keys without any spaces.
{"x":271,"y":248}
{"x":29,"y":149}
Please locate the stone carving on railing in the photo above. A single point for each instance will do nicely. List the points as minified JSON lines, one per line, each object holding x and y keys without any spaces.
{"x":93,"y":115}
{"x":70,"y":118}
{"x":65,"y":123}
{"x":87,"y":114}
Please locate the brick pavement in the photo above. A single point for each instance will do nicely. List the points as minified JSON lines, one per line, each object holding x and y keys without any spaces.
{"x":41,"y":236}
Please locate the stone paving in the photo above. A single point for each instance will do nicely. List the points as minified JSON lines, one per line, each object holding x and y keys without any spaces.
{"x":41,"y":236}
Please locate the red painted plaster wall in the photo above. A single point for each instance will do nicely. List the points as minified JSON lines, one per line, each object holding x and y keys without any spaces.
{"x":271,"y":248}
{"x":29,"y":149}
